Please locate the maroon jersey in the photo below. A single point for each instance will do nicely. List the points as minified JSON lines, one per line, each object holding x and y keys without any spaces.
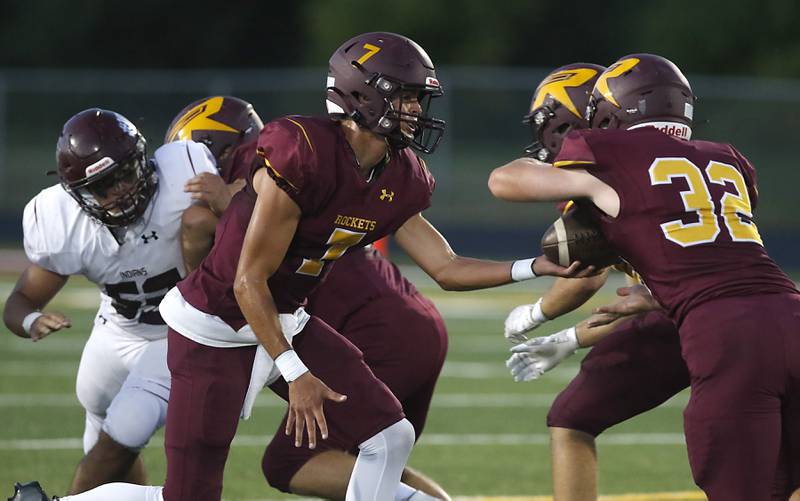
{"x":356,"y":280}
{"x":685,"y":221}
{"x":310,"y":159}
{"x":242,"y":162}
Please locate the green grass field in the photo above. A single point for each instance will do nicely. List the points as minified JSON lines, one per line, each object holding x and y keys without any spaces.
{"x":486,"y":435}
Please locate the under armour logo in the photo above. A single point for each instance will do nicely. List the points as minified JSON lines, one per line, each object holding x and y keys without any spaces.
{"x":152,"y":236}
{"x":387,"y":194}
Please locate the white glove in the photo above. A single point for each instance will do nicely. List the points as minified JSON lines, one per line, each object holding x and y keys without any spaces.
{"x":533,"y":358}
{"x":522,"y":319}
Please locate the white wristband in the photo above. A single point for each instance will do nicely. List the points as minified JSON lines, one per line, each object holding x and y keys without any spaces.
{"x":290,"y":365}
{"x":29,"y":319}
{"x":537,"y":315}
{"x":571,"y":335}
{"x":522,"y":269}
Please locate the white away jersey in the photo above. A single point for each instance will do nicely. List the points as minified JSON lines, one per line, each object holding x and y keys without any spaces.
{"x":132,"y":276}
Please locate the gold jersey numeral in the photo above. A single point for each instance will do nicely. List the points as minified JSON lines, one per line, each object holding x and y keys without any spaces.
{"x":735,"y":208}
{"x":338,"y":243}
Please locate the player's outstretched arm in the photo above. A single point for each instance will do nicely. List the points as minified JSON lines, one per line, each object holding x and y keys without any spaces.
{"x":430,"y":250}
{"x":271,"y":229}
{"x":632,"y":300}
{"x":566,"y":295}
{"x":527,"y":180}
{"x":34,"y":289}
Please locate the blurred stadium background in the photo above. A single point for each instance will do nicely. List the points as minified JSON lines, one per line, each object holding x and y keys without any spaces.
{"x":148,"y":59}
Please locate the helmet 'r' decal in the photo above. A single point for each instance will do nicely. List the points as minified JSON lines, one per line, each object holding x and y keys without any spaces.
{"x":556,"y":86}
{"x":613,"y":71}
{"x":198,"y":119}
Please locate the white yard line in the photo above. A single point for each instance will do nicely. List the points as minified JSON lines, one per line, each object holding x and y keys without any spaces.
{"x":428,"y":439}
{"x":644,"y":496}
{"x":443,"y":400}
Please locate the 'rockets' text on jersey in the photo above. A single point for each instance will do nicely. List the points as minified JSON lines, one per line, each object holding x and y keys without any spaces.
{"x":310,"y":159}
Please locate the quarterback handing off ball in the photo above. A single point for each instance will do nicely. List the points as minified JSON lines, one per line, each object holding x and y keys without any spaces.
{"x":574,"y":237}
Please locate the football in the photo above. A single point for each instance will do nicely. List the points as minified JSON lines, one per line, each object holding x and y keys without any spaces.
{"x":575,"y":237}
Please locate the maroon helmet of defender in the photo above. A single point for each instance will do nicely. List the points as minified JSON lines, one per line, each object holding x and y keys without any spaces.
{"x":370,"y":75}
{"x":642,"y":89}
{"x":222,"y":123}
{"x":558,"y":106}
{"x":102,"y":164}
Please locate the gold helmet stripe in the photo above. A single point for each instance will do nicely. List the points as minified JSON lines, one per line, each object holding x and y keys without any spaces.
{"x":198,"y":119}
{"x":556,"y":86}
{"x":615,"y":70}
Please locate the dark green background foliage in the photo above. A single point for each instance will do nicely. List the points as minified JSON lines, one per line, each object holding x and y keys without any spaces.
{"x":746,"y":37}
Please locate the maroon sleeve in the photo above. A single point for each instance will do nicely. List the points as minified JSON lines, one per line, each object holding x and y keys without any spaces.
{"x":575,"y":151}
{"x":241,"y":162}
{"x":431,"y":182}
{"x":749,"y":173}
{"x":288,"y":154}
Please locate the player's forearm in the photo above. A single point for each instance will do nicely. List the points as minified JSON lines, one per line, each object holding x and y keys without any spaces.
{"x":589,"y":336}
{"x":196,"y":243}
{"x":195,"y":249}
{"x":464,"y":273}
{"x":527,"y":180}
{"x":197,"y":235}
{"x":256,"y":302}
{"x":17,"y":308}
{"x":232,"y":189}
{"x":567,"y":294}
{"x":505,"y":182}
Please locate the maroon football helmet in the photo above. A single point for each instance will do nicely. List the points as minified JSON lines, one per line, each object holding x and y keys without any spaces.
{"x":558,"y":106}
{"x":371,"y":75}
{"x":102,"y":164}
{"x":222,"y":123}
{"x":641,"y":88}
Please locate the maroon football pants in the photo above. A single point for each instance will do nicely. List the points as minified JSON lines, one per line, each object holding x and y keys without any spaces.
{"x":742,"y":423}
{"x":208,"y":389}
{"x":404,"y":342}
{"x":636,"y":368}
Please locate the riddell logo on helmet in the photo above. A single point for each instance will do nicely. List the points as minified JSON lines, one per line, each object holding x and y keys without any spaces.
{"x":99,"y":166}
{"x":675,"y":129}
{"x":432,"y":82}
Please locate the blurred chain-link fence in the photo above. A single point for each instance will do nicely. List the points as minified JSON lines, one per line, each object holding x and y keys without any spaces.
{"x":483,"y":107}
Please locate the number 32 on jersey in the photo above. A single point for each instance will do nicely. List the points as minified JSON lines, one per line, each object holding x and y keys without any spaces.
{"x":735,"y":207}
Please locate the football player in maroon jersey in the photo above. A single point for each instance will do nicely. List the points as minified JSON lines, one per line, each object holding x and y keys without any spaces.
{"x":322,"y":186}
{"x":680,"y":212}
{"x":383,"y":314}
{"x":608,"y":389}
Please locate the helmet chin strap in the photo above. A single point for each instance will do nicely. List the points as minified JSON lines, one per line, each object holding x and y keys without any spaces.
{"x":676,"y":129}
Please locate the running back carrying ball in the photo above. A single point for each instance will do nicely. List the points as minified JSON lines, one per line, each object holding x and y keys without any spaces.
{"x":574,"y":237}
